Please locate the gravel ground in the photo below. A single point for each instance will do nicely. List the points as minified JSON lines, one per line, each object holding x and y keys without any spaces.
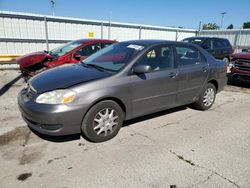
{"x":180,"y":147}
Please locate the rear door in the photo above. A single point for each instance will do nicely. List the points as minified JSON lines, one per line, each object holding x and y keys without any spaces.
{"x":157,"y":89}
{"x":218,"y":49}
{"x":208,"y":46}
{"x":226,"y":48}
{"x":192,"y":73}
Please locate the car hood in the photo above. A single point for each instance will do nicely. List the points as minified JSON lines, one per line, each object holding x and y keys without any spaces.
{"x":31,"y":59}
{"x":65,"y":76}
{"x":242,"y":55}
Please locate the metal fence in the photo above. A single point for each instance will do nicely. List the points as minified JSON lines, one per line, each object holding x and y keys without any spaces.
{"x":22,"y":33}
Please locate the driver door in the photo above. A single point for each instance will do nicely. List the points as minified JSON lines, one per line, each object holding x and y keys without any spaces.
{"x":157,"y":89}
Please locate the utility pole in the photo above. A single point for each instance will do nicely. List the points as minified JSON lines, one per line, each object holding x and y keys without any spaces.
{"x":199,"y":29}
{"x":52,"y":5}
{"x":222,"y":19}
{"x":109,"y":28}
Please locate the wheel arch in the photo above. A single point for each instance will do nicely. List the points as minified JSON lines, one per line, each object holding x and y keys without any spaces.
{"x":118,"y":101}
{"x":215,"y":83}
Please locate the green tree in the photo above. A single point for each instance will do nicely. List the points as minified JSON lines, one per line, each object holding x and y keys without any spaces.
{"x":231,"y":26}
{"x":210,"y":26}
{"x":246,"y":25}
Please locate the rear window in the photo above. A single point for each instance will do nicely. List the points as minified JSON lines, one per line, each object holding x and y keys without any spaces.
{"x":198,"y":41}
{"x":221,"y":43}
{"x":227,"y":43}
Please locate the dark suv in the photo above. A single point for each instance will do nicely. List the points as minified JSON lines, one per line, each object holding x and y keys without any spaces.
{"x":220,"y":48}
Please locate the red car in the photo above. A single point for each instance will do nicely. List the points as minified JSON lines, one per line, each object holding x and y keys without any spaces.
{"x":72,"y":52}
{"x":241,"y":65}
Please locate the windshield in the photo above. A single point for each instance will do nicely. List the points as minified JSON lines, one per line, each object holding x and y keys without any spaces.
{"x":198,"y":41}
{"x":115,"y":57}
{"x":62,"y":50}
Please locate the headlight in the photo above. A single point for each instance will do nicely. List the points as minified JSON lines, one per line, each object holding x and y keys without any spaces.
{"x":233,"y":63}
{"x":56,"y":97}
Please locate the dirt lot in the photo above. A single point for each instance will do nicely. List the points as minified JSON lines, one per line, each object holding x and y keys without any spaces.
{"x":181,"y":147}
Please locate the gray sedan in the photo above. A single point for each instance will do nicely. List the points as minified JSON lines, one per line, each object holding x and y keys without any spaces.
{"x":120,"y":82}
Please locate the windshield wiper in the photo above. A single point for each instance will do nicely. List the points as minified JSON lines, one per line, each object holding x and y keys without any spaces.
{"x":99,"y":67}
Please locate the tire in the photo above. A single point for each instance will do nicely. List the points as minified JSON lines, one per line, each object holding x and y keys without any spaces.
{"x":230,"y":79}
{"x":103,"y":121}
{"x":210,"y":92}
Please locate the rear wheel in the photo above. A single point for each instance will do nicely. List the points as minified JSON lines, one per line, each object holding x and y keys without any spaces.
{"x":206,"y":98}
{"x":103,"y":121}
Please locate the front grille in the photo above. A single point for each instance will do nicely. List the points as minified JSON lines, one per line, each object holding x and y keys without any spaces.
{"x":242,"y":64}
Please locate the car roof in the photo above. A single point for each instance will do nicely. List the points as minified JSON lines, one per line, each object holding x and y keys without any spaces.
{"x":205,"y":38}
{"x":93,"y":40}
{"x":148,"y":42}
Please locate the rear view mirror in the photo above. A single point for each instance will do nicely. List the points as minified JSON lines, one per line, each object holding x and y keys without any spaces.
{"x":141,"y":69}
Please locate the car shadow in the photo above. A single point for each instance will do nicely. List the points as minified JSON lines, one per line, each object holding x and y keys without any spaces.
{"x":58,"y":139}
{"x":240,"y":83}
{"x":7,"y":86}
{"x":154,"y":115}
{"x":68,"y":138}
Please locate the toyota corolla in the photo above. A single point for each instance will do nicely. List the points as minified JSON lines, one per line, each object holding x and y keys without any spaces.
{"x":120,"y":82}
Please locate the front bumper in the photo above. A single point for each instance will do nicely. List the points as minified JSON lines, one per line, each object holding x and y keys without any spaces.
{"x":54,"y":120}
{"x":237,"y":73}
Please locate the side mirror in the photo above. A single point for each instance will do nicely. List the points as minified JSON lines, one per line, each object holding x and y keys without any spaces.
{"x":77,"y":56}
{"x":141,"y":69}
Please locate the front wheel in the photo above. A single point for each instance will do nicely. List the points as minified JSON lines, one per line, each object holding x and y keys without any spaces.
{"x":206,"y":98}
{"x":103,"y":121}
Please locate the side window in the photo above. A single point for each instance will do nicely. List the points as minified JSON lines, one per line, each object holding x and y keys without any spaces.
{"x":218,"y":43}
{"x":225,"y":43}
{"x":89,"y":50}
{"x":158,"y":58}
{"x":207,"y":44}
{"x":106,"y":44}
{"x":189,"y":56}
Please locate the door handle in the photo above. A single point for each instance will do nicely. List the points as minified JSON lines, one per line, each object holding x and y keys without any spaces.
{"x":172,"y":75}
{"x":204,"y":69}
